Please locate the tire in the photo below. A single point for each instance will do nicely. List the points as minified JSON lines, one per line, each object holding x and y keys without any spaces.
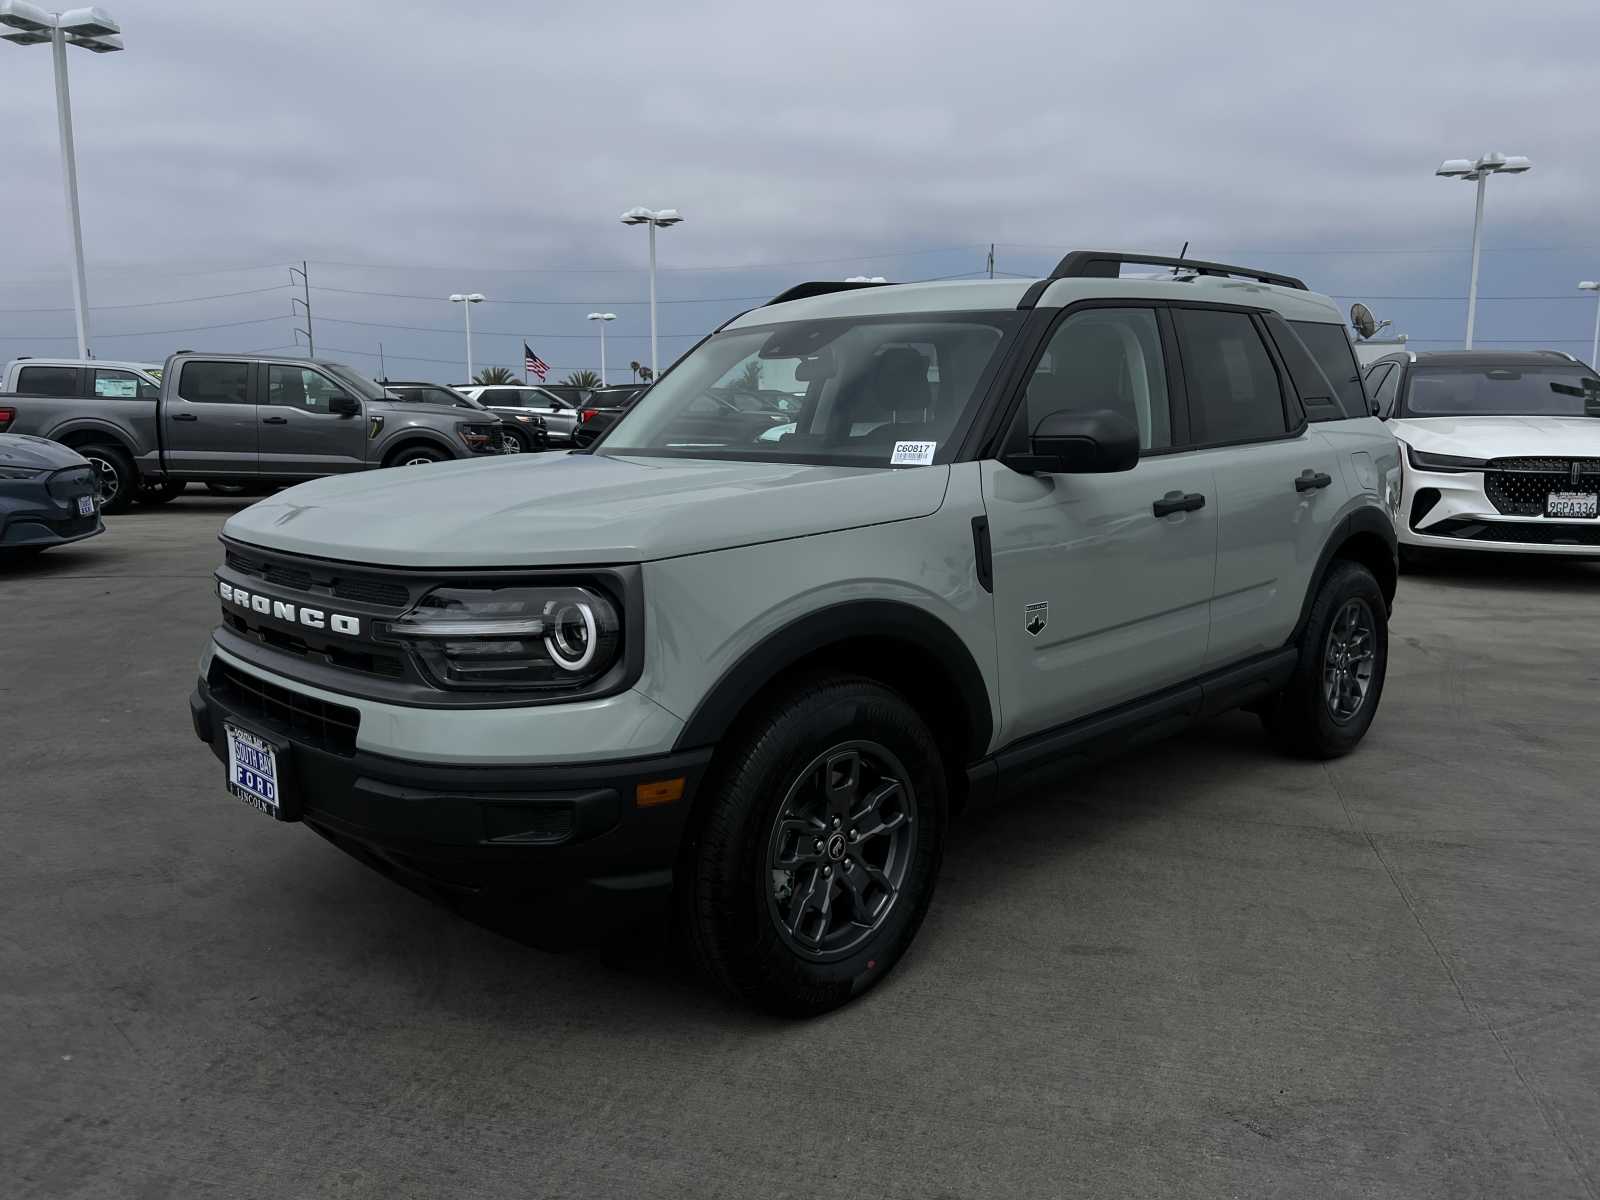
{"x":1345,"y":649}
{"x":119,"y":482}
{"x":415,"y":456}
{"x":770,"y":803}
{"x":164,"y":492}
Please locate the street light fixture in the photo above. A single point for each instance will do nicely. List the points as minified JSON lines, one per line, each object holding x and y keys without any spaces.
{"x":1478,"y":172}
{"x":467,"y":300}
{"x":602,"y":318}
{"x":1590,"y":285}
{"x":655,"y":218}
{"x":93,"y":29}
{"x":866,"y":279}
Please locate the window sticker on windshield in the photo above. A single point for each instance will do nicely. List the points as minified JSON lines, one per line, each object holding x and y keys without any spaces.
{"x":912,"y":454}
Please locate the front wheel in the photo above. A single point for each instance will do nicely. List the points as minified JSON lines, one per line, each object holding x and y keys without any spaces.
{"x":416,"y":456}
{"x":1333,"y":695}
{"x":817,"y":858}
{"x":164,"y":492}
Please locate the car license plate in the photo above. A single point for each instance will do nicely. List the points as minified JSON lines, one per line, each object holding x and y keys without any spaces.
{"x":1572,"y":504}
{"x":253,"y":770}
{"x":86,"y":506}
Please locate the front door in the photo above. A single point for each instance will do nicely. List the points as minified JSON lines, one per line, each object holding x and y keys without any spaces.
{"x":208,"y":427}
{"x":300,"y":434}
{"x":1102,"y":583}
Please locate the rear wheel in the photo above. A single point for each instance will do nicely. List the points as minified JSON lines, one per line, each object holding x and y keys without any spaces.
{"x":114,"y":474}
{"x":817,"y":857}
{"x":160,"y":493}
{"x":1344,"y":655}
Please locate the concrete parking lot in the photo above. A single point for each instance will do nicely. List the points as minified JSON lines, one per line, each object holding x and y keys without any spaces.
{"x":1203,"y":971}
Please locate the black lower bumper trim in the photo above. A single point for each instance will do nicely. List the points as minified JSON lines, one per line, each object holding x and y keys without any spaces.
{"x":523,"y":830}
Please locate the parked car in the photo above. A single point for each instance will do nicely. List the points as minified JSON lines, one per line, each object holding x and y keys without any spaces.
{"x":247,"y":420}
{"x":1018,"y":524}
{"x":605,"y":406}
{"x":1502,"y":450}
{"x":560,"y":416}
{"x":520,"y":432}
{"x":48,"y":496}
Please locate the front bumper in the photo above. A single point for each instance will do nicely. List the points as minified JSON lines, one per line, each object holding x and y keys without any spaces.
{"x":574,"y":832}
{"x":1451,"y":510}
{"x":33,"y":515}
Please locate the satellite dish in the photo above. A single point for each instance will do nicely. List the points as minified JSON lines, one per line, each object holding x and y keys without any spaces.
{"x":1361,"y":317}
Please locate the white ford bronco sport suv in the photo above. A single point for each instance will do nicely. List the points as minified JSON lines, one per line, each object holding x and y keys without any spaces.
{"x":1012,"y":526}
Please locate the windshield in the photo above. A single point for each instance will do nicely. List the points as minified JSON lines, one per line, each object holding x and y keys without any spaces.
{"x":432,"y":393}
{"x":1556,"y":390}
{"x":366,"y":388}
{"x":856,"y":391}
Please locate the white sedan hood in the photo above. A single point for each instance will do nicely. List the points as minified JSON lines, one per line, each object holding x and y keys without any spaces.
{"x":573,"y":509}
{"x":1502,"y":437}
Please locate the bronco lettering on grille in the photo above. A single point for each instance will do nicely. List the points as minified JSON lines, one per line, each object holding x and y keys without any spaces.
{"x":295,"y":614}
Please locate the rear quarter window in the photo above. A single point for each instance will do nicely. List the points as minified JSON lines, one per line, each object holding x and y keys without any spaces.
{"x":1330,"y":345}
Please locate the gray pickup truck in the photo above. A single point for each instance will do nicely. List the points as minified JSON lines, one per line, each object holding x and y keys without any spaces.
{"x":245,"y":420}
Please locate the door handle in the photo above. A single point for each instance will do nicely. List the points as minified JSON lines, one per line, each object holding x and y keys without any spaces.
{"x":1310,"y":480}
{"x":274,"y":420}
{"x":1177,"y":502}
{"x":184,"y":417}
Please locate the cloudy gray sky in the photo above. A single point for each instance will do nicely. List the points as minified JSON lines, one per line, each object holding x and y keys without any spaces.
{"x":413,"y":149}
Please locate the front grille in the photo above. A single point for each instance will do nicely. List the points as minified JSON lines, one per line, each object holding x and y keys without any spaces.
{"x":371,"y":591}
{"x":304,"y":719}
{"x":335,"y":580}
{"x":1528,"y":533}
{"x":74,"y":481}
{"x":1519,"y":487}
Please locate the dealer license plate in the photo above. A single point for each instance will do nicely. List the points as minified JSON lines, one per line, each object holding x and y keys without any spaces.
{"x":252,"y":770}
{"x":1572,"y":504}
{"x":86,"y":506}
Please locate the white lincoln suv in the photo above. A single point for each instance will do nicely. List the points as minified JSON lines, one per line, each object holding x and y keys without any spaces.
{"x":1502,"y":450}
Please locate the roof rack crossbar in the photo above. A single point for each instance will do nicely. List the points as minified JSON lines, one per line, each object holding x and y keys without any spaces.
{"x":820,"y":287}
{"x":1107,"y":264}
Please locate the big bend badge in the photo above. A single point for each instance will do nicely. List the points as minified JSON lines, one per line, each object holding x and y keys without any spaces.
{"x":1035,"y":617}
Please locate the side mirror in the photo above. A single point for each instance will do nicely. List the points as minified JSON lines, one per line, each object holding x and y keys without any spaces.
{"x":344,"y":406}
{"x":1096,"y":442}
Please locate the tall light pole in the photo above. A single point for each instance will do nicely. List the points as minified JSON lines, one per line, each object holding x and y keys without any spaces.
{"x":93,"y":29}
{"x":1590,"y":285}
{"x":467,"y":300}
{"x":1478,"y":172}
{"x":662,"y":218}
{"x":602,"y":318}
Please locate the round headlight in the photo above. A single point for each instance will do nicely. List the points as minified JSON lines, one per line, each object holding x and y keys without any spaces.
{"x":572,"y":638}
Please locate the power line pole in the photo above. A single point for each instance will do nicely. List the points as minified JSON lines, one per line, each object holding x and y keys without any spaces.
{"x":991,"y":260}
{"x":383,"y":374}
{"x":305,"y":282}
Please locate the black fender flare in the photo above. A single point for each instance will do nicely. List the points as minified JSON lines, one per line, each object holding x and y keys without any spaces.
{"x":415,"y":436}
{"x":87,"y":429}
{"x":886,"y":622}
{"x":1363,"y":520}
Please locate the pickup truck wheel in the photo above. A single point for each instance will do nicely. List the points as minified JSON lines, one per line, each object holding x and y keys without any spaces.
{"x":1344,"y":655}
{"x":816,"y":860}
{"x":116,"y":476}
{"x":160,"y":493}
{"x":415,"y":456}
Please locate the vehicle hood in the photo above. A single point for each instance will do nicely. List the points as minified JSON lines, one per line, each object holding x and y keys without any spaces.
{"x":573,"y":509}
{"x":1502,"y":437}
{"x":36,"y":453}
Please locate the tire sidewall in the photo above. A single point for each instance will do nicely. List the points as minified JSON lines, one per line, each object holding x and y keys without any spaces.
{"x":755,"y":952}
{"x":122,"y":465}
{"x":1347,"y":581}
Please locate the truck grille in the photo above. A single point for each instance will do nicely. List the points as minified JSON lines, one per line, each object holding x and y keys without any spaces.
{"x":1518,"y":487}
{"x":336,"y":580}
{"x":330,"y":727}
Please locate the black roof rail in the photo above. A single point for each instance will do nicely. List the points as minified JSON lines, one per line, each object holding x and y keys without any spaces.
{"x":1107,"y":264}
{"x":820,"y":287}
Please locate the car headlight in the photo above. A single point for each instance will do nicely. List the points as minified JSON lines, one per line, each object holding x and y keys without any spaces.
{"x":519,"y":637}
{"x":23,"y":472}
{"x":1444,"y":462}
{"x":477,"y":437}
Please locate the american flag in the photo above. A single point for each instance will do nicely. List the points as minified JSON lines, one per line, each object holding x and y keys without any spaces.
{"x":532,"y":364}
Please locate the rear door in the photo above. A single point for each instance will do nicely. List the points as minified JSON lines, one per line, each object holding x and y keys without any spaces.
{"x":1102,"y":583}
{"x":301,"y":436}
{"x":208,"y":426}
{"x":1279,"y":485}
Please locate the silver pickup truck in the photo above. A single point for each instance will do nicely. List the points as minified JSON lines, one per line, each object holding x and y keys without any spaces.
{"x":245,"y":420}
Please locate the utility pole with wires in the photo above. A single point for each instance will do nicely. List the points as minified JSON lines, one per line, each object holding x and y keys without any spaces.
{"x":305,"y":282}
{"x":383,"y":373}
{"x":991,"y":260}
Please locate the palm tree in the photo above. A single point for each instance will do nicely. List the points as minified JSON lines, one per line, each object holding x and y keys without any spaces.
{"x":635,"y":368}
{"x":583,"y":379}
{"x":491,"y":375}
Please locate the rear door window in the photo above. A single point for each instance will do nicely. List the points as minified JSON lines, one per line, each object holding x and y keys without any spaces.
{"x":1234,"y":393}
{"x":1317,"y":393}
{"x":203,"y":382}
{"x":48,"y":381}
{"x":1330,"y":346}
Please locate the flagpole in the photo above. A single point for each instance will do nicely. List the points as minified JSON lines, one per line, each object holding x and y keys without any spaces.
{"x":525,"y":378}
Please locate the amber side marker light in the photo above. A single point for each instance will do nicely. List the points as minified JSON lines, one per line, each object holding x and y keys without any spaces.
{"x":662,"y":791}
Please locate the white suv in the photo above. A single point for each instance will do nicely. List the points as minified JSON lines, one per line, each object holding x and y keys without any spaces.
{"x":514,"y":399}
{"x":1502,"y":450}
{"x":1012,"y":526}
